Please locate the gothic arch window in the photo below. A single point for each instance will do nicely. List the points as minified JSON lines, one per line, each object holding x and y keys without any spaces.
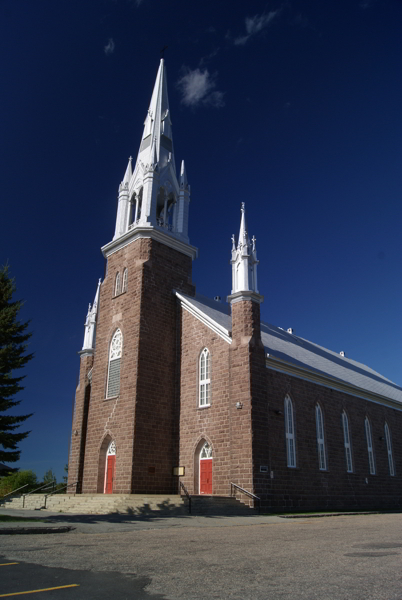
{"x":370,"y":448}
{"x":117,"y":284}
{"x":111,"y":451}
{"x":205,"y":378}
{"x":113,"y":376}
{"x":206,"y":451}
{"x":322,"y":458}
{"x":290,"y":433}
{"x":124,"y":286}
{"x":389,"y":450}
{"x":346,"y":442}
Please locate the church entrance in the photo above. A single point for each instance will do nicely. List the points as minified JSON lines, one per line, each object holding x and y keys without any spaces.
{"x":110,"y":468}
{"x":206,"y":469}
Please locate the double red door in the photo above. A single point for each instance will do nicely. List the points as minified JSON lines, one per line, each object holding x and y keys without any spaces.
{"x":206,"y":476}
{"x":111,"y":465}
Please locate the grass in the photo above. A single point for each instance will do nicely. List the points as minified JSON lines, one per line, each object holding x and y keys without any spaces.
{"x":8,"y":519}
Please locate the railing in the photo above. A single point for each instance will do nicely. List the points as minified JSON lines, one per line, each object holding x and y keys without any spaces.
{"x":234,"y":486}
{"x":44,"y":486}
{"x":60,"y":490}
{"x":14,"y":492}
{"x":183,"y":487}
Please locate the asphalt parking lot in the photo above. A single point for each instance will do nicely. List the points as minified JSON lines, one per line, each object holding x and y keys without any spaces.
{"x":259,"y":558}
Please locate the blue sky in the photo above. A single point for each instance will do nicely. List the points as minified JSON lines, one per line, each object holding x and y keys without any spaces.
{"x":292,"y":107}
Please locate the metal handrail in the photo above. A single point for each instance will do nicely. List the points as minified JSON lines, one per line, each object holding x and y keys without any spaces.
{"x":44,"y":486}
{"x":14,"y":491}
{"x":60,"y":490}
{"x":183,"y":487}
{"x":243,"y":491}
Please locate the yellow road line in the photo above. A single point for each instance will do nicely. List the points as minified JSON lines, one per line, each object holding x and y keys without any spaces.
{"x":6,"y":564}
{"x":60,"y":587}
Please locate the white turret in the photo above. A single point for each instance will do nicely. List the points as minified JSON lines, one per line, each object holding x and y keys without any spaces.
{"x":244,"y":259}
{"x":90,"y":325}
{"x":150,"y":195}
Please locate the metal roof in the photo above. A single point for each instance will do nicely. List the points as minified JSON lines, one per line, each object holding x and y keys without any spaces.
{"x":302,"y":354}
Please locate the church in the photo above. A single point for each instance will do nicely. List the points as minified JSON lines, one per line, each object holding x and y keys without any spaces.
{"x":176,"y":388}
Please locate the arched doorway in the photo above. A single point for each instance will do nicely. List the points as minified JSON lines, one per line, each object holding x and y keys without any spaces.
{"x":205,"y":486}
{"x":110,"y":468}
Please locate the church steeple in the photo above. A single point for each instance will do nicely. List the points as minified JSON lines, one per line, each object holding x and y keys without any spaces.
{"x":150,"y":195}
{"x":244,"y":259}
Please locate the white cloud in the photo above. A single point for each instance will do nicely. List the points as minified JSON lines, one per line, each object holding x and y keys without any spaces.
{"x":254,"y":25}
{"x":109,"y":48}
{"x":198,"y":88}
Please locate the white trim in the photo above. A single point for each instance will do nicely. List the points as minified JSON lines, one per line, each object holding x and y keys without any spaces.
{"x":245,"y":295}
{"x":146,"y":232}
{"x":389,"y":450}
{"x":282,"y":366}
{"x":346,"y":442}
{"x":319,"y":421}
{"x":290,"y":433}
{"x":370,"y":449}
{"x":204,"y":383}
{"x":225,"y":334}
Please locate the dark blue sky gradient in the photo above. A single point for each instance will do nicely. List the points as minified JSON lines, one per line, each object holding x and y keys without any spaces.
{"x":310,"y":137}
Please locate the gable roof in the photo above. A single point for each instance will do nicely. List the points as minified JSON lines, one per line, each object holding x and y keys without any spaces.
{"x":289,"y":353}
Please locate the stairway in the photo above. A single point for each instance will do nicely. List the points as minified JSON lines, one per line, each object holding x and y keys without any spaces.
{"x":131,"y":504}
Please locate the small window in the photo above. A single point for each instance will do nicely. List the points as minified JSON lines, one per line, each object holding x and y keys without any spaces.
{"x":117,"y":285}
{"x":346,"y":441}
{"x":124,"y":286}
{"x":205,"y":381}
{"x":389,"y":450}
{"x":322,"y":459}
{"x":370,"y":448}
{"x":113,"y":377}
{"x":290,"y":433}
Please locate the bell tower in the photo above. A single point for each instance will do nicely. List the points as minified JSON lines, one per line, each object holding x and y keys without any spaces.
{"x":134,"y":404}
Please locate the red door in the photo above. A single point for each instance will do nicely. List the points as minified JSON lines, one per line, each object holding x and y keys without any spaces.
{"x":206,"y":476}
{"x":111,"y":463}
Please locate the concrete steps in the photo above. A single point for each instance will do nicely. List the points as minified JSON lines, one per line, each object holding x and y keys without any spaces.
{"x":134,"y":504}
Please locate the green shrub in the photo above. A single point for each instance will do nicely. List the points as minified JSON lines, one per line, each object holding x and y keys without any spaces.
{"x":16,"y":480}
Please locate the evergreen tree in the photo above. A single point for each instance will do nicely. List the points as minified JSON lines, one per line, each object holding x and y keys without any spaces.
{"x":13,"y":344}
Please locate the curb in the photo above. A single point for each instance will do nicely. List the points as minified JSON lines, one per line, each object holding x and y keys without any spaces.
{"x":29,"y":530}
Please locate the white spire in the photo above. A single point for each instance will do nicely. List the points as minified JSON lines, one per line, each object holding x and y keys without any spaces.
{"x":150,"y":194}
{"x":244,"y":259}
{"x":90,"y":324}
{"x":183,"y":175}
{"x":128,"y":173}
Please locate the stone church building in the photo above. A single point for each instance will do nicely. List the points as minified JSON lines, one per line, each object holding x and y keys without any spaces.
{"x":175,"y":386}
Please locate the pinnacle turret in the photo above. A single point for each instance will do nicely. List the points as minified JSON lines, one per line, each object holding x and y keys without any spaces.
{"x":244,"y":259}
{"x":90,"y":324}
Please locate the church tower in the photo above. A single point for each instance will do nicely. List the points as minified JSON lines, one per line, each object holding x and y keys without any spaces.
{"x":247,"y":360}
{"x":130,"y":435}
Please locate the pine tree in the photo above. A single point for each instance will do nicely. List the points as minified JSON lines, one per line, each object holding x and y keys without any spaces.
{"x":13,"y":344}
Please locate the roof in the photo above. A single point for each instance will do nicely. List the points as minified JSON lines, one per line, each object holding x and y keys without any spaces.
{"x":288,"y":352}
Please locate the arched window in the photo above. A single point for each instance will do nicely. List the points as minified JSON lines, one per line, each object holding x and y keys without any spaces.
{"x":290,"y":433}
{"x":113,"y":377}
{"x":205,"y":381}
{"x":389,"y":450}
{"x":124,"y":286}
{"x":206,"y":451}
{"x":370,"y":448}
{"x":346,"y":442}
{"x":322,"y":459}
{"x":117,"y":285}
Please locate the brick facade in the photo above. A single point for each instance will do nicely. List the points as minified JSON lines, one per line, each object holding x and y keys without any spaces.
{"x":157,"y":423}
{"x":142,"y":418}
